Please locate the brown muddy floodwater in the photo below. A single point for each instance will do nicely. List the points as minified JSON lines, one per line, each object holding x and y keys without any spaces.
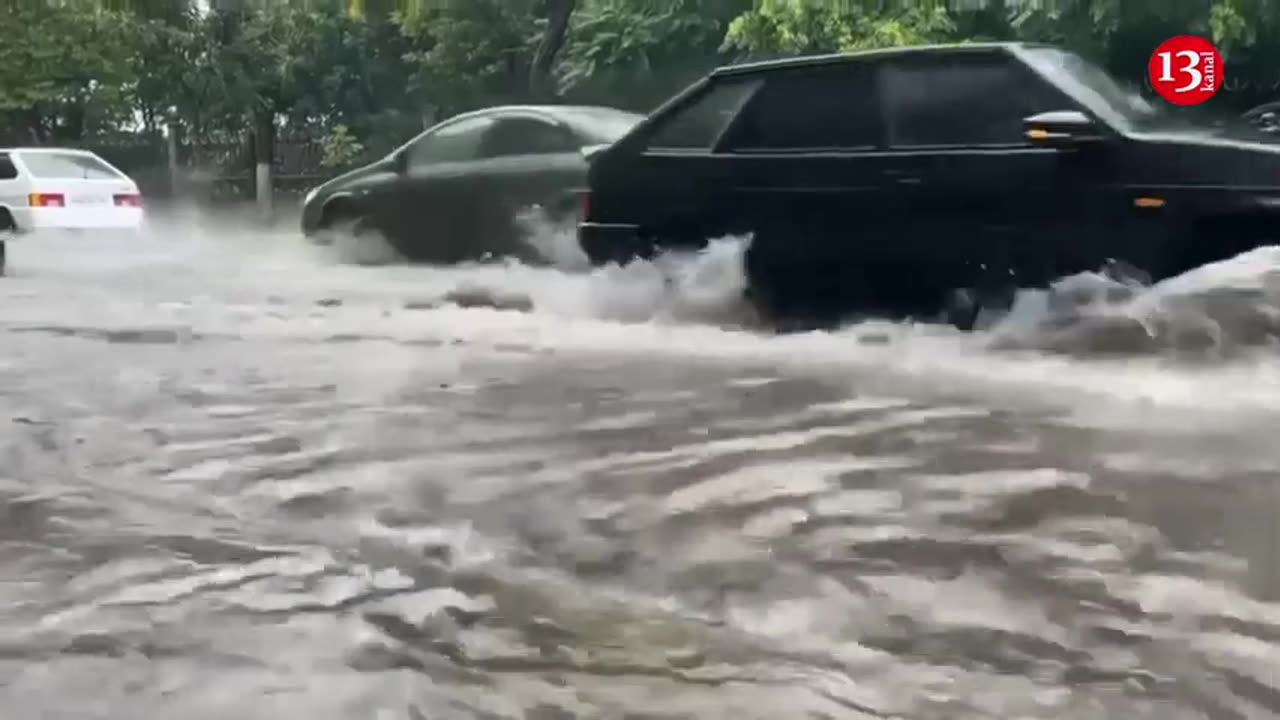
{"x":240,"y":479}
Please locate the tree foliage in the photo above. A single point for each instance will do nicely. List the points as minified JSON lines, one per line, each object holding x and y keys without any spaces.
{"x":789,"y":27}
{"x":651,"y":49}
{"x":65,"y":71}
{"x":374,"y":71}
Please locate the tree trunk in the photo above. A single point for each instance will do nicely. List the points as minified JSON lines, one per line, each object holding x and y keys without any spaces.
{"x":37,"y":128}
{"x":73,"y":123}
{"x":541,"y":84}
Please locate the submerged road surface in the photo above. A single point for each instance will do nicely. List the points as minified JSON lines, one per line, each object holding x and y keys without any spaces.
{"x":240,"y":479}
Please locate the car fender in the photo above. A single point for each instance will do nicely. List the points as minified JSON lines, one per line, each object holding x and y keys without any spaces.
{"x":1223,"y":233}
{"x":14,"y":225}
{"x":343,"y":199}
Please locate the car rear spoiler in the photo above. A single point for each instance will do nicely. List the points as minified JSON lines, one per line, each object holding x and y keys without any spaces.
{"x":590,"y":152}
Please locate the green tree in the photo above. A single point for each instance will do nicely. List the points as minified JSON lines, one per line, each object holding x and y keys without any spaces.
{"x":63,"y":70}
{"x":789,"y":27}
{"x":632,"y":54}
{"x":1120,"y":34}
{"x":470,"y":53}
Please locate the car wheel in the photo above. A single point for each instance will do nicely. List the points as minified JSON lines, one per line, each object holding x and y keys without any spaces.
{"x":358,"y":239}
{"x":6,"y":228}
{"x":358,"y":227}
{"x":340,"y":227}
{"x":969,"y":309}
{"x":961,"y":309}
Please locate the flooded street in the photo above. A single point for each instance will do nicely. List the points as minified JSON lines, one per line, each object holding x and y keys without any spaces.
{"x":242,"y":478}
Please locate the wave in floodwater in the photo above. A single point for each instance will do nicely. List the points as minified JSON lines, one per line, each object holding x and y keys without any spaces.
{"x":250,"y":477}
{"x":1215,"y":311}
{"x":1201,"y":339}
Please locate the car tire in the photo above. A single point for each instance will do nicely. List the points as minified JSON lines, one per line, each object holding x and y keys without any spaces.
{"x":996,"y":304}
{"x":961,"y":309}
{"x":7,"y":227}
{"x":347,"y":224}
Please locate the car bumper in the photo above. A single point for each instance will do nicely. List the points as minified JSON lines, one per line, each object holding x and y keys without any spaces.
{"x":39,"y":219}
{"x":606,"y":243}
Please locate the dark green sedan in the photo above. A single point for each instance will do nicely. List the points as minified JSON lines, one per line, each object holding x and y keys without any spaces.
{"x":455,"y":192}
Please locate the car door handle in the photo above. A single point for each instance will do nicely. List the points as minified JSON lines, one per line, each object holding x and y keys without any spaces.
{"x":901,"y":177}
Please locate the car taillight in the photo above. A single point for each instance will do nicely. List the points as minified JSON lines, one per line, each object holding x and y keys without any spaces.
{"x":46,"y":200}
{"x":128,"y":200}
{"x":584,"y":207}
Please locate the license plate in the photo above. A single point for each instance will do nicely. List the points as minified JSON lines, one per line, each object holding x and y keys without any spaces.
{"x":88,"y":200}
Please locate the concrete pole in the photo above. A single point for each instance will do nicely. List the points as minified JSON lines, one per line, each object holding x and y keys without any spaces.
{"x":263,"y":145}
{"x":262,"y":180}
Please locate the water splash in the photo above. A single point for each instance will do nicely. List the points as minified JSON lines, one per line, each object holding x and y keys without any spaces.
{"x":1217,"y":311}
{"x":1090,"y":335}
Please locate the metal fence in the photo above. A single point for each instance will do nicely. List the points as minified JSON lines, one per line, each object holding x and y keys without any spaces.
{"x":212,"y":172}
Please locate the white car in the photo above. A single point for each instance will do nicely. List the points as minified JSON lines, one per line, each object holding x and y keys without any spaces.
{"x":63,"y":189}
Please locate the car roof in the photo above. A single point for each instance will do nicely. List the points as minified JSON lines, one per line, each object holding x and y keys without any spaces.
{"x":547,"y":109}
{"x":570,"y":115}
{"x":807,"y":61}
{"x":40,"y":149}
{"x":1264,"y":107}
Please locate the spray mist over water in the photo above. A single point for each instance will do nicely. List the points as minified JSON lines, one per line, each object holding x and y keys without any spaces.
{"x":1201,"y":340}
{"x":703,"y":287}
{"x":1216,"y":312}
{"x":1089,"y":334}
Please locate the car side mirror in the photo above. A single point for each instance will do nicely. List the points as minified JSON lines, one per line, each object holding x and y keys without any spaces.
{"x":1060,"y":128}
{"x":400,"y":161}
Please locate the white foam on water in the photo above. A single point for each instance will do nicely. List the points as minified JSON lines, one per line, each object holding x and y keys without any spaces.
{"x":1200,"y":341}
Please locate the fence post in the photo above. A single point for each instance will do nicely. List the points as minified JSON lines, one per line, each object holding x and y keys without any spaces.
{"x":264,"y":157}
{"x":262,"y":183}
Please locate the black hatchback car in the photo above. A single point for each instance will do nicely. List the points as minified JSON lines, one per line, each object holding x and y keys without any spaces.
{"x":896,"y":181}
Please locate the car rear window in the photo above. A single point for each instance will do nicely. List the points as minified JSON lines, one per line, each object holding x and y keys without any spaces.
{"x":67,"y":166}
{"x":601,"y":125}
{"x":697,"y":125}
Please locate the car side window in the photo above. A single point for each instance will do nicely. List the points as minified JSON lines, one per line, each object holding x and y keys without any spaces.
{"x":456,"y":142}
{"x":966,"y":101}
{"x":8,"y":171}
{"x":517,"y":136}
{"x":697,"y":125}
{"x":67,"y":166}
{"x":831,"y":108}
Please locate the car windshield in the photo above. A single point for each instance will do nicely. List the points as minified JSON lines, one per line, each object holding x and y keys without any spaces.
{"x":67,"y":166}
{"x":1095,"y":87}
{"x":1128,"y":109}
{"x":601,"y":125}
